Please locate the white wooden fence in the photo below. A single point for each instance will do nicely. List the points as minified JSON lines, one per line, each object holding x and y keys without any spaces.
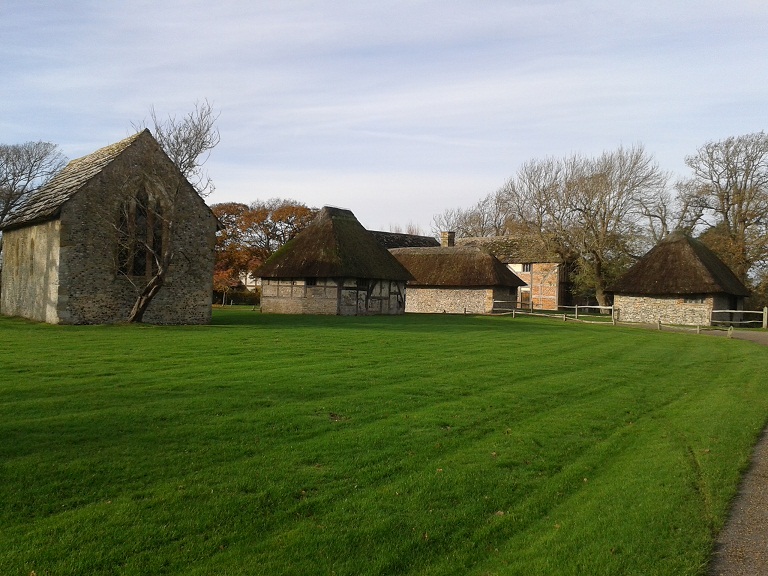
{"x":580,"y":313}
{"x":739,"y":318}
{"x":759,"y":318}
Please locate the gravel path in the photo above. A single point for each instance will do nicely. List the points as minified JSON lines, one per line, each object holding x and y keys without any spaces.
{"x":741,"y":548}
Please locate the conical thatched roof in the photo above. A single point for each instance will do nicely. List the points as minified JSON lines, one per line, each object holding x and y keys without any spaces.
{"x":455,"y":266}
{"x":45,"y":203}
{"x":334,"y":245}
{"x":679,"y":265}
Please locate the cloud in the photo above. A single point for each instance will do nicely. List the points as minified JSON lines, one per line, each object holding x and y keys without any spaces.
{"x":384,"y":98}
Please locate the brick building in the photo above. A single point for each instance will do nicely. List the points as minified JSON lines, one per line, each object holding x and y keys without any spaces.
{"x":545,"y":274}
{"x":81,"y":248}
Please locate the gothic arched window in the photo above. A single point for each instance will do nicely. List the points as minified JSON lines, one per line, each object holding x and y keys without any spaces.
{"x":140,"y":236}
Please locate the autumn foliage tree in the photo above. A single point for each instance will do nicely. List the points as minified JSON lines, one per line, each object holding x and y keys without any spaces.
{"x":252,"y":233}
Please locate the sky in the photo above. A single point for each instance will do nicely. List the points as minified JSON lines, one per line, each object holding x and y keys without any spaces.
{"x":396,"y":110}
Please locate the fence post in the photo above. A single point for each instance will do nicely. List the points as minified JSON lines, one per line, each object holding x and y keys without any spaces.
{"x":577,"y":311}
{"x":765,"y":318}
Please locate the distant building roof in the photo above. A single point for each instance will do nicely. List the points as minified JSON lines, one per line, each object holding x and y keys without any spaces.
{"x":517,"y":249}
{"x":333,"y":245}
{"x":455,"y":266}
{"x":396,"y":240}
{"x":45,"y":203}
{"x":679,"y":265}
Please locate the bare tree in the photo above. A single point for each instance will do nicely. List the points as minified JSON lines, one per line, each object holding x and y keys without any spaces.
{"x":411,"y":228}
{"x":590,"y":209}
{"x":730,"y":188}
{"x":188,"y":142}
{"x":148,"y":221}
{"x":23,"y":169}
{"x":486,"y":218}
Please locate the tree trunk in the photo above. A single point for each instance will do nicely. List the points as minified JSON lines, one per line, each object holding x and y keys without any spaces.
{"x":146,"y":296}
{"x":602,"y":299}
{"x":597,"y":267}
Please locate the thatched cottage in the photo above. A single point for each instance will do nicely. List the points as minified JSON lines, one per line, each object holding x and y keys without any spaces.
{"x":456,"y":280}
{"x":544,"y":272}
{"x":81,"y":248}
{"x":679,"y":281}
{"x":333,"y":266}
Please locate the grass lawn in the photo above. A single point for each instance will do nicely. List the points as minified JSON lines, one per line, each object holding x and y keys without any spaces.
{"x":412,"y":445}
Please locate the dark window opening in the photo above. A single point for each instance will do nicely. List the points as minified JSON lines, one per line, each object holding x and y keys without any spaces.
{"x":527,"y":267}
{"x":311,"y":281}
{"x":140,"y":236}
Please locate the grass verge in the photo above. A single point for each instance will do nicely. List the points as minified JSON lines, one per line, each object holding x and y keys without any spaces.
{"x":414,"y":445}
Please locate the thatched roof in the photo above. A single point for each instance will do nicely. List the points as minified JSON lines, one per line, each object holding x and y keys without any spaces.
{"x":514,"y":249}
{"x":679,"y":265}
{"x":334,"y":245}
{"x":396,"y":240}
{"x":46,"y":202}
{"x":455,"y":266}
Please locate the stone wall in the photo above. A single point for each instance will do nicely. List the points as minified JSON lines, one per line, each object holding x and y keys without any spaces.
{"x":90,"y":287}
{"x":666,"y":309}
{"x":93,"y":291}
{"x":286,"y":296}
{"x":31,"y":272}
{"x":454,"y":300}
{"x":326,"y":296}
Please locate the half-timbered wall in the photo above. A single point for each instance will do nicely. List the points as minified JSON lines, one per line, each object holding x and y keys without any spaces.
{"x":347,"y":297}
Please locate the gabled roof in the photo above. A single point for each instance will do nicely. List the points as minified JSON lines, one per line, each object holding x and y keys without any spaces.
{"x":455,"y":266}
{"x":334,"y":245}
{"x":513,"y":249}
{"x":396,"y":240}
{"x":679,"y":265}
{"x":46,"y":202}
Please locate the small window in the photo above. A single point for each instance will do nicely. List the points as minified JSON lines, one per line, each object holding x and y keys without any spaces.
{"x":694,"y":299}
{"x":310,"y":281}
{"x":527,"y":267}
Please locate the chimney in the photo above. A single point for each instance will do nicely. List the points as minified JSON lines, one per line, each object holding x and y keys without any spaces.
{"x":447,"y":239}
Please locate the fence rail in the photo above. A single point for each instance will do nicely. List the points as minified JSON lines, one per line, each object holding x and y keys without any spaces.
{"x":736,"y":317}
{"x":604,"y":314}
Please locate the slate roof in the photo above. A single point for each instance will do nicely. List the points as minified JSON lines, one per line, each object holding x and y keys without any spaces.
{"x":456,"y":267}
{"x":396,"y":240}
{"x":679,"y":265}
{"x":333,"y":245}
{"x":46,"y":202}
{"x":517,"y":249}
